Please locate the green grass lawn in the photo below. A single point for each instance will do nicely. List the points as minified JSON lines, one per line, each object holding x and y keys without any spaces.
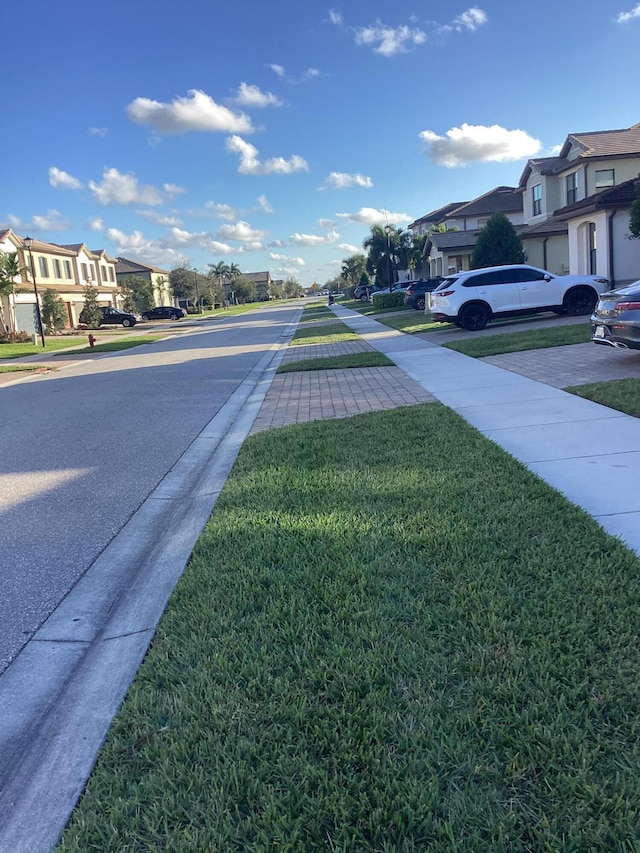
{"x":122,"y":344}
{"x":557,"y":336}
{"x":376,"y":648}
{"x":414,"y":323}
{"x":620,"y":394}
{"x":52,"y":344}
{"x":337,"y":362}
{"x":327,"y":333}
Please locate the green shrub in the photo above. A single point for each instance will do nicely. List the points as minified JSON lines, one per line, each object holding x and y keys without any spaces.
{"x":388,"y":300}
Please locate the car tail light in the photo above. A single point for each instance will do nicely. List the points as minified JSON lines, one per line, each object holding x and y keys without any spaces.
{"x":627,"y":306}
{"x":443,"y":292}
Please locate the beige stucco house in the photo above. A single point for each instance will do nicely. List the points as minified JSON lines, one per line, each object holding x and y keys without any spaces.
{"x":64,"y":269}
{"x":159,"y":278}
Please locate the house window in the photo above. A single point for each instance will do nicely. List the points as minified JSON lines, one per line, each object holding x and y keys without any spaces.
{"x":593,"y":249}
{"x":44,"y":267}
{"x":572,"y":188}
{"x":57,"y":269}
{"x":536,"y":195}
{"x":67,"y":269}
{"x":455,"y":263}
{"x":111,"y":274}
{"x":104,"y":273}
{"x":604,"y":178}
{"x":482,"y":222}
{"x":85,"y":272}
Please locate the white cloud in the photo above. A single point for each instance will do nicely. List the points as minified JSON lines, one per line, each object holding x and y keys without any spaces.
{"x":98,"y":131}
{"x":197,"y":112}
{"x":164,"y":219}
{"x":52,"y":220}
{"x":117,"y":188}
{"x":264,"y":205}
{"x":221,"y":211}
{"x":348,"y":247}
{"x":326,"y":223}
{"x":373,"y":216}
{"x":63,"y":180}
{"x":314,"y":239}
{"x":478,"y":143}
{"x":389,"y":40}
{"x":251,"y":165}
{"x":96,"y":224}
{"x":342,"y":180}
{"x":623,"y":17}
{"x":241,"y":232}
{"x":470,"y":20}
{"x":335,"y":17}
{"x":173,"y":190}
{"x":252,"y":96}
{"x":280,"y":70}
{"x":298,"y":262}
{"x":155,"y":252}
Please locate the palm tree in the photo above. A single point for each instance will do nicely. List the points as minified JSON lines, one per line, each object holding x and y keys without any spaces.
{"x":10,"y":269}
{"x":382,"y":247}
{"x":220,"y":270}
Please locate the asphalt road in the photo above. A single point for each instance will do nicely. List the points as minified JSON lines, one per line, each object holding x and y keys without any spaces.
{"x":83,"y":448}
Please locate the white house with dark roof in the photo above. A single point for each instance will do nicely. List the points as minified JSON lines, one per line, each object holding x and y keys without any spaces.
{"x":576,"y":206}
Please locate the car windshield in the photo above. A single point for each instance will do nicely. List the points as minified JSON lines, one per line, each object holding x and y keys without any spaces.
{"x":448,"y":282}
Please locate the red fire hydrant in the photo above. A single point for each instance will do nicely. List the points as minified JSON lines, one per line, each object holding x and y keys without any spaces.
{"x":92,"y":341}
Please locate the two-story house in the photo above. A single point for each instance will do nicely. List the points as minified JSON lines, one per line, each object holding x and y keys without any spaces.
{"x":576,"y":206}
{"x":450,"y":250}
{"x":63,"y":269}
{"x":159,"y":278}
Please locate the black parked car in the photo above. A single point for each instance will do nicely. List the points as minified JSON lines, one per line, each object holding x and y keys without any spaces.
{"x":164,"y":312}
{"x":113,"y":317}
{"x":414,"y":295}
{"x":616,"y":319}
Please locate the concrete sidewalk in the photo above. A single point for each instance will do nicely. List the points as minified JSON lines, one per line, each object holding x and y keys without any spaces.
{"x":588,"y":452}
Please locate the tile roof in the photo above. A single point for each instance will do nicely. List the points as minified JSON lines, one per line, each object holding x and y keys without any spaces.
{"x":497,"y":200}
{"x":605,"y":143}
{"x":125,"y":265}
{"x":438,"y":215}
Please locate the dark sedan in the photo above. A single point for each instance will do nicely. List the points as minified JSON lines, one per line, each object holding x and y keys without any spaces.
{"x":616,"y":319}
{"x":112,"y":317}
{"x":164,"y":312}
{"x":414,"y":295}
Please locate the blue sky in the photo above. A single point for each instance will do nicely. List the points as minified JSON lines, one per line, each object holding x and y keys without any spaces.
{"x":273,"y":135}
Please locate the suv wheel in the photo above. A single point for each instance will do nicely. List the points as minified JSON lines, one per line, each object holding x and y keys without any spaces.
{"x":580,"y":300}
{"x":420,"y":303}
{"x":127,"y":322}
{"x":474,"y":317}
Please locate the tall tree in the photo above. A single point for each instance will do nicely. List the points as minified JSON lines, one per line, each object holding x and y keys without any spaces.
{"x":382,"y":249}
{"x":182,"y":280}
{"x":244,"y":289}
{"x":138,"y":293}
{"x":292,"y":287}
{"x":352,"y":269}
{"x":497,"y":244}
{"x":221,"y":271}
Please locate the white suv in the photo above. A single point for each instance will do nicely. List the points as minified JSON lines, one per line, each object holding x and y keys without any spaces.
{"x":470,"y":299}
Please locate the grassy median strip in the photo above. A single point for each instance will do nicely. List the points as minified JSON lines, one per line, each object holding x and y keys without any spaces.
{"x":115,"y":346}
{"x":328,"y":333}
{"x":51,"y":344}
{"x":17,"y":368}
{"x":370,"y":358}
{"x":557,"y":336}
{"x":379,"y":649}
{"x":620,"y":394}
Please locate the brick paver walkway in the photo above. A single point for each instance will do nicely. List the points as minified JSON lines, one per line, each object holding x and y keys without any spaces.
{"x":311,"y":395}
